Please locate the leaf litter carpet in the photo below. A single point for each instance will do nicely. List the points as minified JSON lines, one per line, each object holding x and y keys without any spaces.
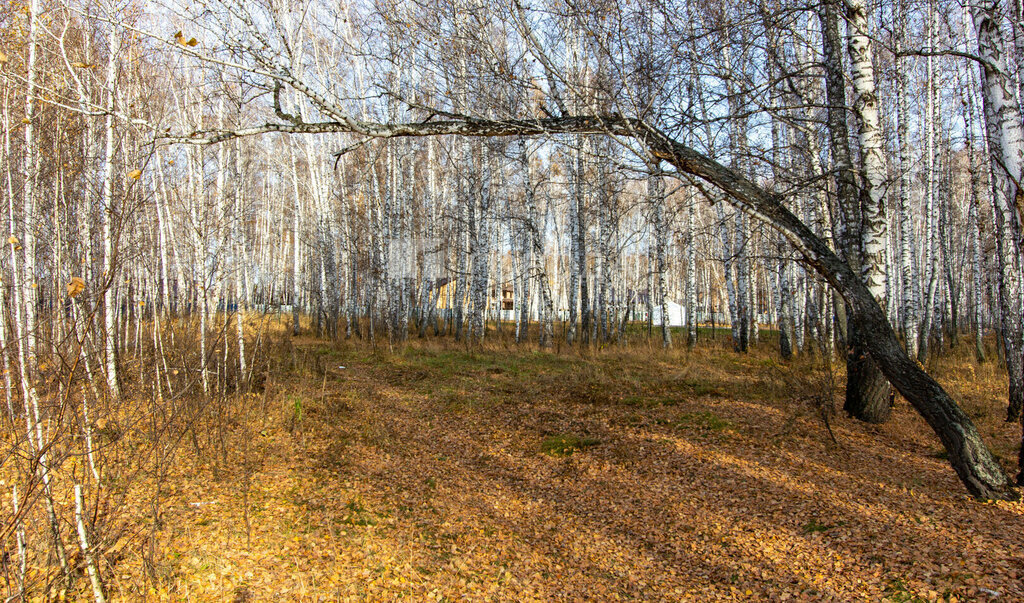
{"x":705,"y":477}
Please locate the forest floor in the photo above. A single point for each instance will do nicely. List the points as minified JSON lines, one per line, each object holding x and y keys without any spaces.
{"x":437,"y":473}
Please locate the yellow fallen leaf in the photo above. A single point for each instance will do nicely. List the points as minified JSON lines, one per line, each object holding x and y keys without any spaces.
{"x":75,"y":287}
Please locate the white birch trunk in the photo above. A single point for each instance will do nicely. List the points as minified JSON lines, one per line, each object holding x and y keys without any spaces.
{"x":241,"y":294}
{"x":1006,"y":146}
{"x":538,"y":260}
{"x":83,"y":543}
{"x":931,"y":249}
{"x":910,"y":288}
{"x":656,"y":197}
{"x":691,"y":269}
{"x":109,"y":212}
{"x":874,"y":224}
{"x":481,"y":256}
{"x":296,"y":262}
{"x":728,"y":262}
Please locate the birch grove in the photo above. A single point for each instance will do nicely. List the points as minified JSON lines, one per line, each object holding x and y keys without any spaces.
{"x":179,"y":176}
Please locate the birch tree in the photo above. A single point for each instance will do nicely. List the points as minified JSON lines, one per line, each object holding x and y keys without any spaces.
{"x":1006,"y":144}
{"x":575,"y":110}
{"x":871,"y":400}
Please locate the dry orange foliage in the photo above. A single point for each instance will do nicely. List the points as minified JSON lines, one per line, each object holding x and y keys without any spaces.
{"x":420,"y":476}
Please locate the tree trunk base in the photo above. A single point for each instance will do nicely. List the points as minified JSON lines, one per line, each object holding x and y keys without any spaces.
{"x":868,"y":393}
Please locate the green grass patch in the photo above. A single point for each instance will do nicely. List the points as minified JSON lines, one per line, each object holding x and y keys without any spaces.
{"x":457,"y":401}
{"x":650,"y":401}
{"x":704,"y":389}
{"x":815,"y":527}
{"x":703,"y":420}
{"x":330,"y":352}
{"x":897,"y":591}
{"x":357,"y":515}
{"x":473,"y":363}
{"x":566,"y":444}
{"x":694,"y":388}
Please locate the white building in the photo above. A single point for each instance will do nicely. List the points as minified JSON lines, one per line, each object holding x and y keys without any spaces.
{"x":676,"y":314}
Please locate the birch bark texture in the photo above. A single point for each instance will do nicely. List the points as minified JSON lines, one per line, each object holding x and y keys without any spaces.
{"x":867,"y":393}
{"x":1006,"y":147}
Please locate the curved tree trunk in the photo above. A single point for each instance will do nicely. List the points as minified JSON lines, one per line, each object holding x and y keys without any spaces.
{"x":970,"y":458}
{"x":968,"y":455}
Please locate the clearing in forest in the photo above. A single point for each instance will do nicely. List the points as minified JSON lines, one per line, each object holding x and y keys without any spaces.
{"x":502,"y":474}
